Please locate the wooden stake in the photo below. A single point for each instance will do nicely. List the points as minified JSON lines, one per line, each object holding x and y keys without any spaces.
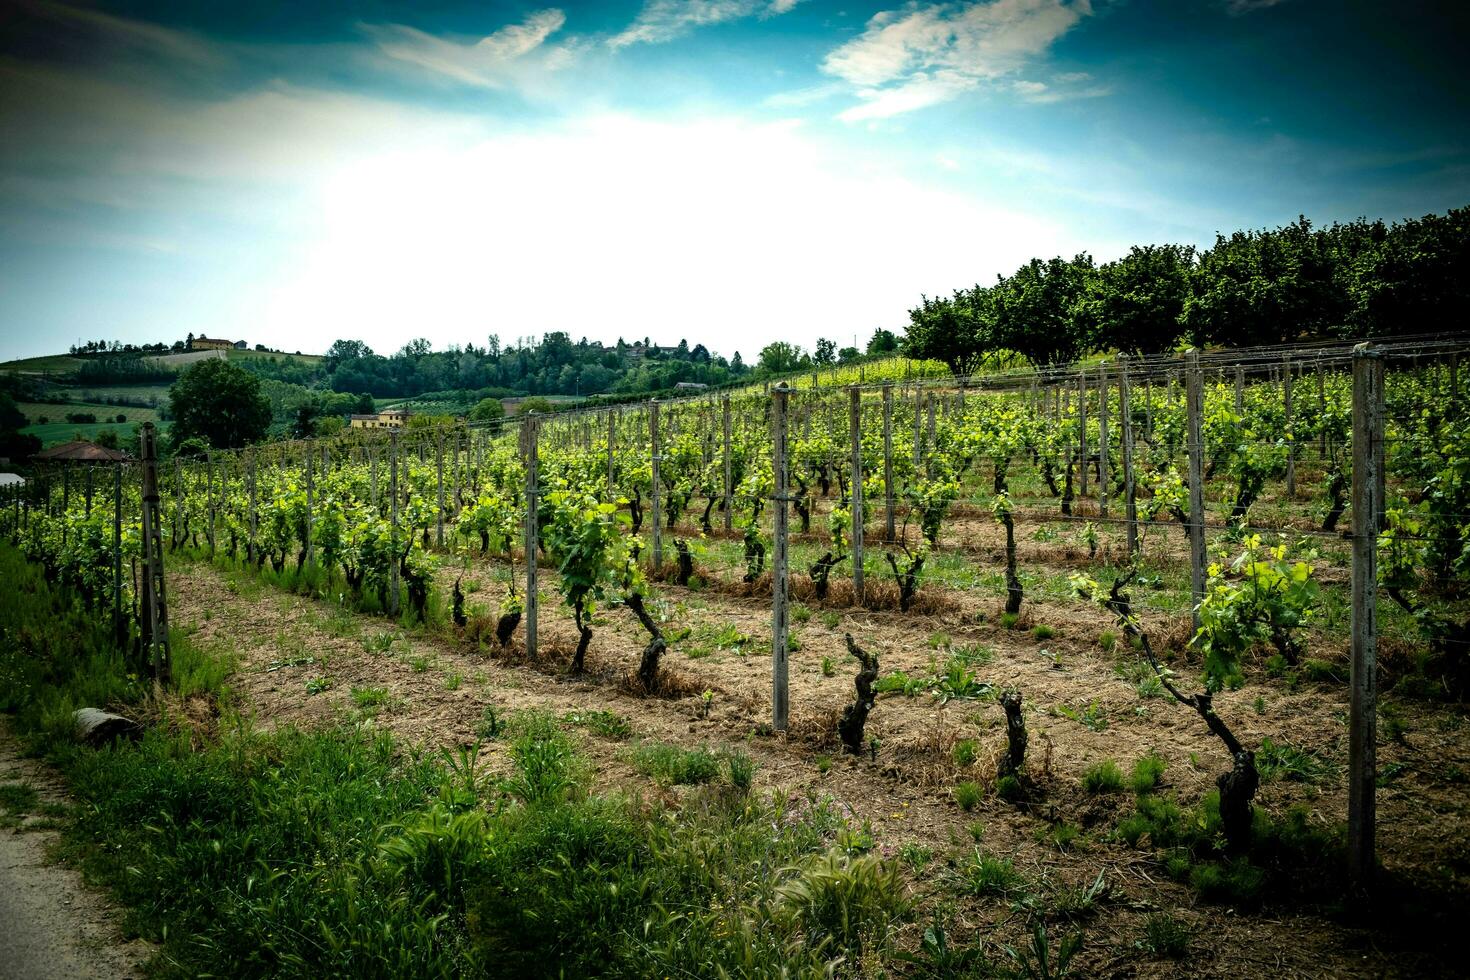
{"x":855,"y":434}
{"x":530,"y":437}
{"x":654,"y":510}
{"x":1367,"y":503}
{"x":889,"y":529}
{"x":1194,"y":447}
{"x":780,"y":704}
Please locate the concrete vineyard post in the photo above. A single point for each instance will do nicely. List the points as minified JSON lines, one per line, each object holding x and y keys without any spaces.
{"x":855,"y":434}
{"x":780,"y":703}
{"x":530,"y":437}
{"x":1239,"y":390}
{"x":1194,"y":399}
{"x":1367,"y":503}
{"x":888,"y":516}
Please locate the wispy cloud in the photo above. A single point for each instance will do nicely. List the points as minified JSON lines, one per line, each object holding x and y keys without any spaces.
{"x":1238,"y":7}
{"x":929,"y":53}
{"x":483,"y":62}
{"x":140,"y":35}
{"x":665,"y":20}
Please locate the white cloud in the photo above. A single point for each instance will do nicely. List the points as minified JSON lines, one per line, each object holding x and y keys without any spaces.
{"x":928,"y":53}
{"x":483,"y":62}
{"x":665,"y":20}
{"x":918,"y":91}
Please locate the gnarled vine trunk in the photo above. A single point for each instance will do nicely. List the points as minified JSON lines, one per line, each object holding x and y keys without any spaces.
{"x":648,"y":664}
{"x":1015,"y":754}
{"x":854,"y":718}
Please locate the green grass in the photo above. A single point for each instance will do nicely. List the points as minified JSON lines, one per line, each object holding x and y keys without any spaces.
{"x":54,"y":412}
{"x":675,"y":765}
{"x":1104,"y":777}
{"x":56,"y":433}
{"x":986,"y":874}
{"x":369,"y":697}
{"x":340,"y":852}
{"x":608,"y":724}
{"x":49,"y":364}
{"x":1148,"y":773}
{"x":967,"y":795}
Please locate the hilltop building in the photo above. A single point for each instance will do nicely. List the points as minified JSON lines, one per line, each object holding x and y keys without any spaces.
{"x":214,"y":343}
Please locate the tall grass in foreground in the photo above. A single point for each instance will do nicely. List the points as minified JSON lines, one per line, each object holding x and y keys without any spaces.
{"x":342,"y":853}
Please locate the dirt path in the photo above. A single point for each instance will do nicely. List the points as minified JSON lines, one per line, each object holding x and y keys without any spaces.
{"x":51,"y":924}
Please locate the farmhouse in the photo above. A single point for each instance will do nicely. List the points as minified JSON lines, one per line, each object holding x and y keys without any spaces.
{"x":212,"y":343}
{"x":394,"y":419}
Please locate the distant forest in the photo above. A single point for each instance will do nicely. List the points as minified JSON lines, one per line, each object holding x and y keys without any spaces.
{"x":1275,"y":286}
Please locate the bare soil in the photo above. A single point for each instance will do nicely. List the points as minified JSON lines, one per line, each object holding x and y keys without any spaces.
{"x":439,"y":683}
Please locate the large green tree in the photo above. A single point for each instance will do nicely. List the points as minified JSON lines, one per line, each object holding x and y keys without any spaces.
{"x":220,"y":403}
{"x":949,"y":329}
{"x":1036,"y":310}
{"x":1134,"y":304}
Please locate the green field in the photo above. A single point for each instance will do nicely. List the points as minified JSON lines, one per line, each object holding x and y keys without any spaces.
{"x":55,"y":433}
{"x":53,"y":412}
{"x":302,"y":358}
{"x":51,"y":364}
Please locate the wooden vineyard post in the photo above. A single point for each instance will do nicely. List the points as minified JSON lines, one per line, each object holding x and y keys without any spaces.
{"x":1148,"y":408}
{"x":1082,"y":428}
{"x":654,"y":510}
{"x":726,"y":463}
{"x":393,"y":516}
{"x":1367,"y":503}
{"x":855,"y":433}
{"x":213,"y":498}
{"x":530,"y":438}
{"x":918,"y":432}
{"x":117,"y":620}
{"x":1125,"y":421}
{"x":1290,"y":433}
{"x":155,"y":599}
{"x":612,"y":439}
{"x":250,"y":545}
{"x":1194,"y":398}
{"x":888,"y":523}
{"x":1239,"y":390}
{"x":309,"y":505}
{"x":929,"y":439}
{"x":780,"y":703}
{"x":1322,"y":407}
{"x":1102,"y":441}
{"x":439,"y":483}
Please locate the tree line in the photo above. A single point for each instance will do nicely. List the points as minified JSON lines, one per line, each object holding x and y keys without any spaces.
{"x":1272,"y":286}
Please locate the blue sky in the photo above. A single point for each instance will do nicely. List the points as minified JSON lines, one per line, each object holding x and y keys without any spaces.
{"x":728,"y":171}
